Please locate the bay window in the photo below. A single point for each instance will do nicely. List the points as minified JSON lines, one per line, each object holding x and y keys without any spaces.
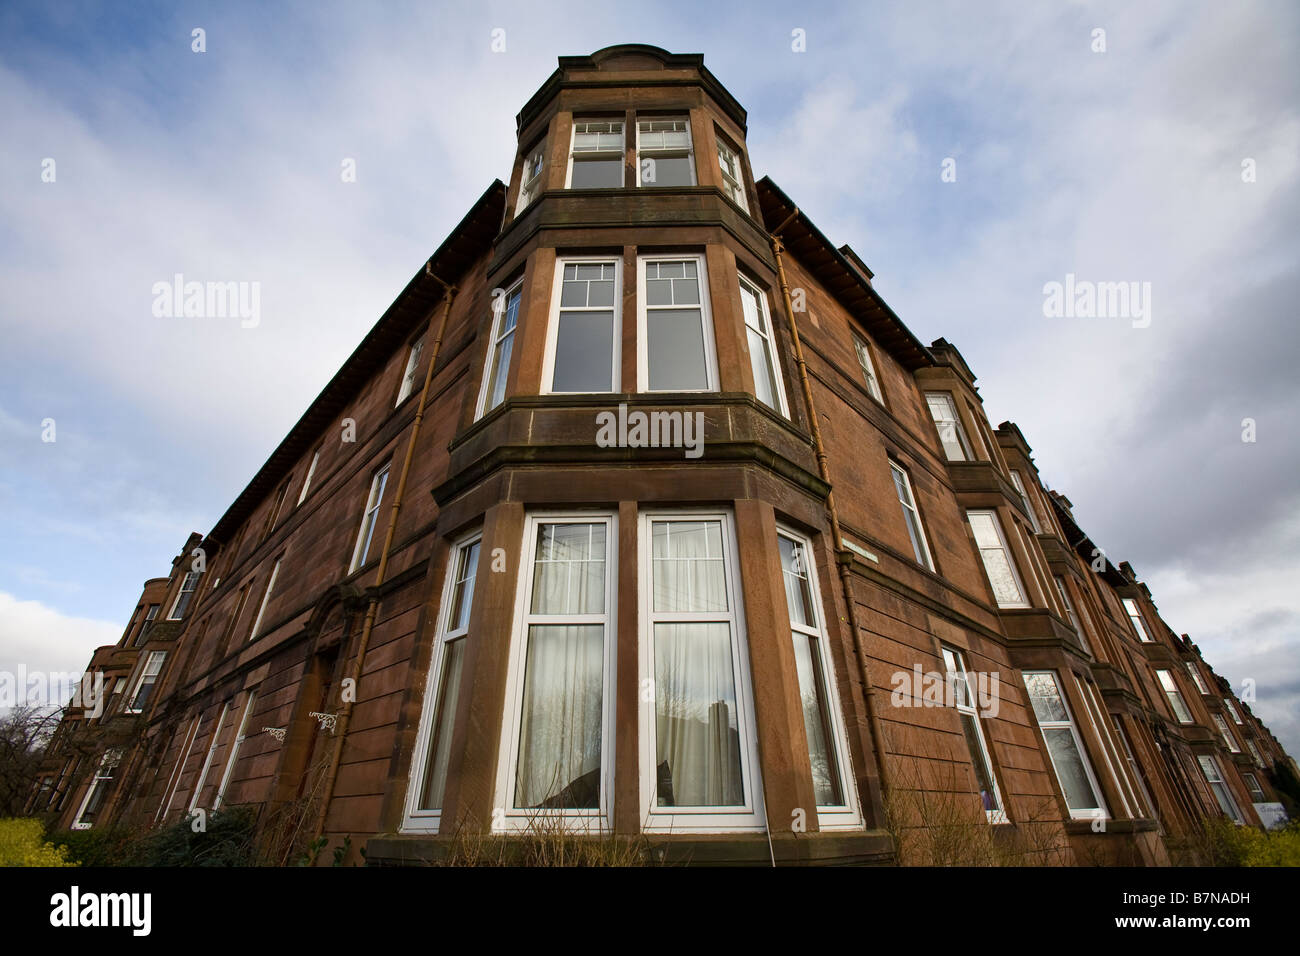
{"x":827,"y":750}
{"x":442,"y":689}
{"x":998,"y":564}
{"x":582,"y":351}
{"x":530,"y":177}
{"x":663,"y":152}
{"x":183,"y":597}
{"x":596,"y":155}
{"x":699,"y":761}
{"x":1135,"y":616}
{"x":733,"y":178}
{"x":675,"y":349}
{"x":1064,"y":748}
{"x":1225,"y":733}
{"x":763,"y":361}
{"x":1174,"y":696}
{"x":501,"y":340}
{"x":1197,"y":679}
{"x":951,"y":435}
{"x":1024,"y":500}
{"x":144,"y":685}
{"x":558,"y":733}
{"x":1219,"y":787}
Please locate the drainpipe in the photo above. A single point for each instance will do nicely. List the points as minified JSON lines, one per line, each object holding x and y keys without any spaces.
{"x":367,"y":626}
{"x":842,"y":555}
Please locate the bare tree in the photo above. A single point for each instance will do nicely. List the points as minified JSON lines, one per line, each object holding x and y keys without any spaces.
{"x":24,"y":733}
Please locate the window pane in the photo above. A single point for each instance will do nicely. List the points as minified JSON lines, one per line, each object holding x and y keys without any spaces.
{"x":1046,"y":699}
{"x":584,"y":349}
{"x":596,"y":173}
{"x":667,"y":171}
{"x":463,"y":591}
{"x":764,"y":375}
{"x":1070,"y":769}
{"x":794,"y":569}
{"x":500,"y":366}
{"x":697,"y":739}
{"x":983,"y":775}
{"x":675,"y":349}
{"x":689,"y":574}
{"x":435,"y":776}
{"x":560,"y":733}
{"x":569,"y":571}
{"x":816,"y":720}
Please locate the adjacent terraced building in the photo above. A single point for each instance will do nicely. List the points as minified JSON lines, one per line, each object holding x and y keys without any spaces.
{"x":640,"y":511}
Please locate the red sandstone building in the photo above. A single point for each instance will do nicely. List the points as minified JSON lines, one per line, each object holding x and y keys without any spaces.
{"x":640,"y":511}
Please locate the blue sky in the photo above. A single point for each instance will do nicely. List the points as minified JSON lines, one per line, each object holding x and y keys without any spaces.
{"x":1115,"y":166}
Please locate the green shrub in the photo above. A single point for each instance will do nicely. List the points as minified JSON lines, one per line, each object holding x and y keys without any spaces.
{"x":22,"y":843}
{"x":228,"y":840}
{"x":1227,"y":844}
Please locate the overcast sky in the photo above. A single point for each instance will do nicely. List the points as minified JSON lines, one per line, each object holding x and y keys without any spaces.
{"x":1122,"y":165}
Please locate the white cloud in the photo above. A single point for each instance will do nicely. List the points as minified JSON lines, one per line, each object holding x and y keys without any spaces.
{"x":35,"y":637}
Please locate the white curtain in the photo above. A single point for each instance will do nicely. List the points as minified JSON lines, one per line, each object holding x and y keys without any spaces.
{"x":697,"y":738}
{"x":559,"y":738}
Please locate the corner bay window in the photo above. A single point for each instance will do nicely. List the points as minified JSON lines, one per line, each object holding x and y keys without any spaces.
{"x":1064,"y":748}
{"x":145,"y":684}
{"x":762,"y":353}
{"x":996,"y":556}
{"x":699,"y":766}
{"x":597,"y":154}
{"x":558,"y":724}
{"x":951,"y":435}
{"x":505,"y":315}
{"x":183,"y":597}
{"x":530,"y":178}
{"x":1135,"y":615}
{"x":664,"y":155}
{"x":1219,"y":787}
{"x":675,"y":334}
{"x":827,"y":751}
{"x":583,"y":341}
{"x":1174,"y":696}
{"x":733,"y":180}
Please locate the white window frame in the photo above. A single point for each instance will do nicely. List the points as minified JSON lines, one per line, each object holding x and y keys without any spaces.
{"x":108,"y":762}
{"x":959,"y":430}
{"x":1233,"y":712}
{"x":553,"y":323}
{"x":1173,"y":692}
{"x":1082,"y":813}
{"x":213,"y":744}
{"x":1006,"y":550}
{"x":1135,"y":618}
{"x":529,"y":185}
{"x":416,"y":819}
{"x":174,"y":780}
{"x":847,"y":814}
{"x":706,"y":321}
{"x":161,"y":658}
{"x":1224,"y":794}
{"x":1252,"y":787}
{"x":366,"y":533}
{"x":150,"y":616}
{"x":415,"y":352}
{"x":1135,"y":771}
{"x":863,"y":351}
{"x":1024,"y":499}
{"x":306,"y":482}
{"x":910,"y":506}
{"x":582,"y":819}
{"x":1110,"y":755}
{"x":733,"y":186}
{"x":177,"y":612}
{"x":642,"y":153}
{"x":240,"y":734}
{"x":1197,"y":679}
{"x":1226,"y":733}
{"x":1255,"y":753}
{"x":965,"y":706}
{"x":496,"y":338}
{"x":607,"y":154}
{"x":1070,"y":611}
{"x":750,"y":815}
{"x":768,"y":336}
{"x":266,"y":598}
